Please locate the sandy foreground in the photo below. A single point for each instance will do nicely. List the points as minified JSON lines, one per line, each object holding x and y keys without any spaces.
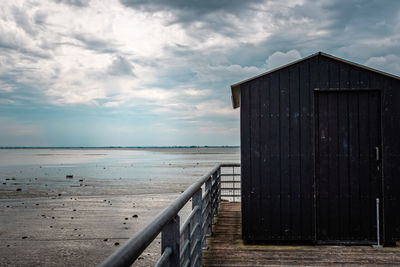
{"x":81,"y":221}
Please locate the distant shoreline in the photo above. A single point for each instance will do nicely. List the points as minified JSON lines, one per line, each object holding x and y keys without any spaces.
{"x":111,"y":147}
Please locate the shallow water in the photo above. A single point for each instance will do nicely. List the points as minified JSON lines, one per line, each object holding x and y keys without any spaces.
{"x":50,"y":220}
{"x":112,"y":163}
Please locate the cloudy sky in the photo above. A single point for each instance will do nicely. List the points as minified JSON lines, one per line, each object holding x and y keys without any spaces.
{"x":148,"y":73}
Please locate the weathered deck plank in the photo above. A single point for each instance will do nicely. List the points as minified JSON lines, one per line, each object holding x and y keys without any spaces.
{"x":227,"y":249}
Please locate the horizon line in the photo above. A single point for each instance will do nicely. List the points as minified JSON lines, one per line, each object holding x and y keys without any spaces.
{"x":94,"y":147}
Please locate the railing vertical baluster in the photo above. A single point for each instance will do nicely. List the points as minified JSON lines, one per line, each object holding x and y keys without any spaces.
{"x":170,"y":238}
{"x":218,"y":189}
{"x":189,"y":229}
{"x":209,"y":205}
{"x":197,"y":201}
{"x":214,"y":196}
{"x":234,"y":189}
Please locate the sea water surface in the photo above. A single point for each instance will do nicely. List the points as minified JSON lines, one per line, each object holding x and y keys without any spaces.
{"x":106,"y":171}
{"x":111,"y":163}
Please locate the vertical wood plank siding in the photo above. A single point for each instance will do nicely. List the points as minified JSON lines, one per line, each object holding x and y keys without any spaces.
{"x":281,"y":174}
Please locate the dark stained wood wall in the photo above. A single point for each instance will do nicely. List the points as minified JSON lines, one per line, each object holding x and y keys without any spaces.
{"x":277,"y":147}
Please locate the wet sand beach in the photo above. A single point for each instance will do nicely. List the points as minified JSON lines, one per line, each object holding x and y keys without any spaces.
{"x":52,"y":220}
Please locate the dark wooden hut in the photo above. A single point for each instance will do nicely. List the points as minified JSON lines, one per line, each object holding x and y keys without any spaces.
{"x":320,"y":141}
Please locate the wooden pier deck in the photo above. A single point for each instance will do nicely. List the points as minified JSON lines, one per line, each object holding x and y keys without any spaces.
{"x":226,"y":248}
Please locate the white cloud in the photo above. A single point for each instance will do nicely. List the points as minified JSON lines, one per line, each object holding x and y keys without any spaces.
{"x":196,"y":93}
{"x":389,"y":63}
{"x":279,"y":58}
{"x":112,"y":104}
{"x":6,"y":87}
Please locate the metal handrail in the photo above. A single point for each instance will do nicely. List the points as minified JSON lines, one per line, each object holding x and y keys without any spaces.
{"x":168,"y":218}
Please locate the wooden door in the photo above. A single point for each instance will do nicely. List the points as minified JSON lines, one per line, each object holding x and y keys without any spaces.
{"x":347,"y":165}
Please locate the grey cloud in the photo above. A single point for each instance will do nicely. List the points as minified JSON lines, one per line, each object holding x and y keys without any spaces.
{"x":94,"y":43}
{"x":40,"y":17}
{"x":356,"y":30}
{"x":352,"y":29}
{"x":24,"y":21}
{"x":190,"y":10}
{"x":76,"y":3}
{"x":214,"y":15}
{"x":24,"y":40}
{"x":13,"y":45}
{"x":120,"y":66}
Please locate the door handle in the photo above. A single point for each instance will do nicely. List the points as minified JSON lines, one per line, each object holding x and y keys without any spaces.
{"x":378,"y":167}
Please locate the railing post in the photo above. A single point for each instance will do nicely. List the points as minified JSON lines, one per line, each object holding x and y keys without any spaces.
{"x":170,"y":238}
{"x":197,"y":201}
